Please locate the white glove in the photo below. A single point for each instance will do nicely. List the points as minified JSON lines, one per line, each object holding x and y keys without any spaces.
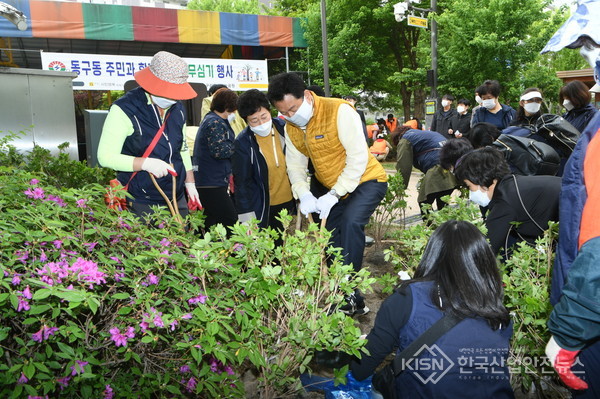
{"x":193,"y":197}
{"x":157,"y":167}
{"x":308,"y":203}
{"x":325,"y":203}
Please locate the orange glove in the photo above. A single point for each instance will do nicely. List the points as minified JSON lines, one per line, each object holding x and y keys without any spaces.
{"x":562,"y":360}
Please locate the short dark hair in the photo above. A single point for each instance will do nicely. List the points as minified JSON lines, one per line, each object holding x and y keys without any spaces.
{"x":452,"y":150}
{"x":489,"y":87}
{"x":482,"y":167}
{"x":252,"y":101}
{"x":390,"y":116}
{"x":213,"y":89}
{"x":463,"y":266}
{"x":224,"y":100}
{"x":350,"y":98}
{"x":318,"y":90}
{"x":483,"y":134}
{"x":448,"y":97}
{"x":577,"y":92}
{"x":464,"y":101}
{"x":285,"y":83}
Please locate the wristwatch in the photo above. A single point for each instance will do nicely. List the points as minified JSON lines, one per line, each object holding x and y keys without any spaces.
{"x":334,"y":193}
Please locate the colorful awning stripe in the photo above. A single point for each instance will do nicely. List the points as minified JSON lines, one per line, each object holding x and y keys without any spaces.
{"x":68,"y":20}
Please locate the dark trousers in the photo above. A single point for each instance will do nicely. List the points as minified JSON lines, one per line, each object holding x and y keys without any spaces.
{"x":144,"y":210}
{"x":437,"y":198}
{"x":589,"y":364}
{"x":218,"y":206}
{"x":348,"y":218}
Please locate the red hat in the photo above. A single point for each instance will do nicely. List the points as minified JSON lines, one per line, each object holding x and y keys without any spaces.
{"x":166,"y":76}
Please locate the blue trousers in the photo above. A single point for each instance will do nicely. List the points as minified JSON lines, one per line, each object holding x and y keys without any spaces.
{"x":348,"y":218}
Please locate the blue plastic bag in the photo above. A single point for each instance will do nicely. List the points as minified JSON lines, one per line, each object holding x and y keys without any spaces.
{"x":353,"y":389}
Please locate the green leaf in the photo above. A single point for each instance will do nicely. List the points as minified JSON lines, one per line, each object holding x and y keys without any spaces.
{"x":29,"y":370}
{"x":66,"y":349}
{"x":37,"y":309}
{"x":42,"y":294}
{"x":121,"y":295}
{"x":41,"y":367}
{"x":147,"y":339}
{"x":71,"y":295}
{"x":125,"y":310}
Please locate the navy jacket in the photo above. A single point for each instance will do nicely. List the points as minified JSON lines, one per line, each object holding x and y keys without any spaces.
{"x":426,"y":145}
{"x":469,"y":361}
{"x":251,"y":174}
{"x":580,"y":117}
{"x":212,"y":159}
{"x":146,"y":122}
{"x":481,"y":114}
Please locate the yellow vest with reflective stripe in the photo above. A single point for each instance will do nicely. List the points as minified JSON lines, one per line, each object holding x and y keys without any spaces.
{"x":322,"y":144}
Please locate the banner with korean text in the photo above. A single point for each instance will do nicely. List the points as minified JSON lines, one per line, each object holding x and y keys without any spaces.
{"x":110,"y":72}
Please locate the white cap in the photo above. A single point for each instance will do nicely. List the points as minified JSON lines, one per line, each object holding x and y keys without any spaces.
{"x":530,"y":95}
{"x":595,"y":88}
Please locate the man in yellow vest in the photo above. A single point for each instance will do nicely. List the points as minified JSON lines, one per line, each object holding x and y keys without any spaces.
{"x":328,"y":131}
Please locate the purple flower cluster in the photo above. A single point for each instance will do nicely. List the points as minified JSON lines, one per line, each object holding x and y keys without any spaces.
{"x":151,"y":279}
{"x":44,"y":333}
{"x":39,"y":194}
{"x":78,"y":367}
{"x":198,"y":299}
{"x":108,"y":392}
{"x":121,"y":339}
{"x":217,"y":367}
{"x":23,"y":299}
{"x":84,"y":271}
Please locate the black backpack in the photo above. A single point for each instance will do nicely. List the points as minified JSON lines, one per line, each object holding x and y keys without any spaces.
{"x":526,"y":156}
{"x":557,"y":132}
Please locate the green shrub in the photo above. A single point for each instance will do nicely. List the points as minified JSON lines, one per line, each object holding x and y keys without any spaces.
{"x":95,"y":302}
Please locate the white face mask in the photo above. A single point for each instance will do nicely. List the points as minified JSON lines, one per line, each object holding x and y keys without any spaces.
{"x":162,"y":102}
{"x":264,"y":129}
{"x":532,"y":108}
{"x":231,"y":117}
{"x":478,"y":99}
{"x":445,"y":103}
{"x":302,"y":115}
{"x":568,"y":105}
{"x":489,"y":104}
{"x":479,"y":197}
{"x":460,"y":109}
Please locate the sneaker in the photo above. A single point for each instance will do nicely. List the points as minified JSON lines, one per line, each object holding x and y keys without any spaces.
{"x":354,"y":306}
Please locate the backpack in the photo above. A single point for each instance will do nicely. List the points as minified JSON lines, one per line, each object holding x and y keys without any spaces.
{"x":526,"y":156}
{"x":558,"y":132}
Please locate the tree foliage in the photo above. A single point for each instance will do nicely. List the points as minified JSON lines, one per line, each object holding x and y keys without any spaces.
{"x":496,"y":39}
{"x":237,"y":6}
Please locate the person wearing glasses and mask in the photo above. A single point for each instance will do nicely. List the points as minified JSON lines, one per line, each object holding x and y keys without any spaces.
{"x":491,"y":110}
{"x":213,"y":149}
{"x":328,"y":131}
{"x":262,"y":187}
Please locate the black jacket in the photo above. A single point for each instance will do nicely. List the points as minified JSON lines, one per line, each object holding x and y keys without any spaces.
{"x":580,"y":117}
{"x":441,"y":121}
{"x":461,"y":123}
{"x":251,"y":174}
{"x":540,"y":196}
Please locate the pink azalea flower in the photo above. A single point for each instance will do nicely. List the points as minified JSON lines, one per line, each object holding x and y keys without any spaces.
{"x":63,"y":382}
{"x":78,"y":367}
{"x":158,"y":322}
{"x":118,"y":338}
{"x":187,"y":316}
{"x":173,"y":324}
{"x":144,"y":326}
{"x":164,"y":242}
{"x":23,"y":305}
{"x":81,"y":203}
{"x":16,"y":280}
{"x":108,"y":392}
{"x":198,"y":299}
{"x":27,"y":293}
{"x":22,"y":379}
{"x":184,"y":369}
{"x":36,"y":193}
{"x":33,"y":182}
{"x":57,"y":244}
{"x":191,"y":384}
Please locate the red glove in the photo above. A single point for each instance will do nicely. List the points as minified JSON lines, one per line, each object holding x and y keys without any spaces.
{"x":562,"y":360}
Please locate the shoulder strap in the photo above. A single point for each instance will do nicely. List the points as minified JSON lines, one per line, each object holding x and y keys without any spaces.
{"x":523,"y":205}
{"x":151,"y":146}
{"x":441,"y":327}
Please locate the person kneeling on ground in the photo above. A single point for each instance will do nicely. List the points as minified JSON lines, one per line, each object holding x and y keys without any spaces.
{"x":458,"y":276}
{"x":380,"y":148}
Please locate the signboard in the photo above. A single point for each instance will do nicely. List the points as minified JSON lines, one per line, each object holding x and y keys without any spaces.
{"x":430,"y":107}
{"x":110,"y":72}
{"x":417,"y":21}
